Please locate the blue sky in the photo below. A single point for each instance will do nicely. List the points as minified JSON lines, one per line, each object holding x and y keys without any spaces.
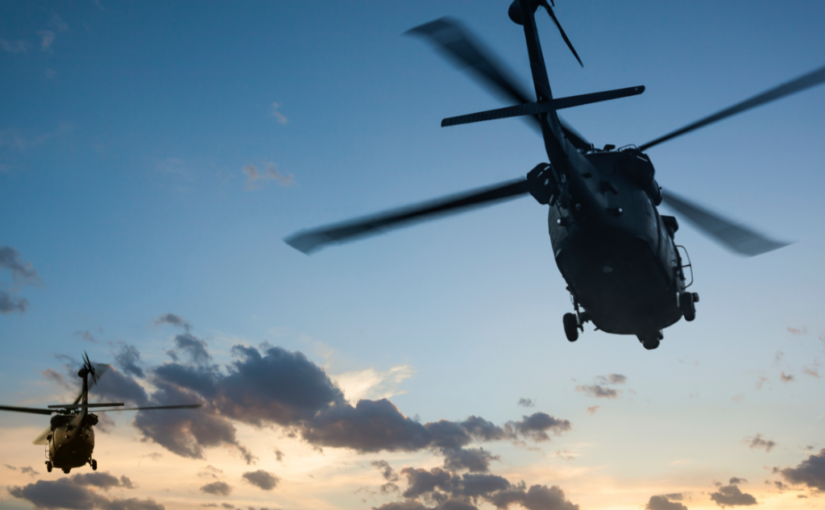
{"x":125,"y":133}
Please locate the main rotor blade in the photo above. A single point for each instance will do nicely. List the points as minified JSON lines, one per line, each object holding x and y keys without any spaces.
{"x":466,"y":51}
{"x":78,"y":406}
{"x":308,"y":241}
{"x":803,"y":82}
{"x":150,"y":408}
{"x":42,"y":438}
{"x":29,"y":410}
{"x":729,"y":234}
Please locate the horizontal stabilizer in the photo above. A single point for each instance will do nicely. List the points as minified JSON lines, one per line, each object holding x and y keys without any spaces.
{"x":536,"y":108}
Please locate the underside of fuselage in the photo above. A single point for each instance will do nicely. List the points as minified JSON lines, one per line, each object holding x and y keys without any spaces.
{"x":70,"y":448}
{"x":619,"y":281}
{"x":618,"y":256}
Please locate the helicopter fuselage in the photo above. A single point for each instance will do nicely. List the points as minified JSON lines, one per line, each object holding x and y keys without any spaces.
{"x":613,"y":248}
{"x":72,"y":440}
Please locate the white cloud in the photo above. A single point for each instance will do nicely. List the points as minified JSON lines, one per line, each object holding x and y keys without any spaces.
{"x":372,"y":384}
{"x":14,"y":46}
{"x":268,"y":172}
{"x":47,"y":38}
{"x":280,"y":117}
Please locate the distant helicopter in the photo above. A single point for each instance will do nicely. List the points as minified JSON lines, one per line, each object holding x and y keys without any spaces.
{"x":618,"y":255}
{"x":71,"y":436}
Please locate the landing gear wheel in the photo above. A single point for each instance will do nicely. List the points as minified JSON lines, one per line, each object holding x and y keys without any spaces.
{"x":49,"y":466}
{"x":651,"y":343}
{"x":687,"y":306}
{"x":571,"y":326}
{"x":67,"y":470}
{"x":94,"y":465}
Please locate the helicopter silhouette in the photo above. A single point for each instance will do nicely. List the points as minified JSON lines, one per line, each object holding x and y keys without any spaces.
{"x":70,"y":438}
{"x":617,"y":253}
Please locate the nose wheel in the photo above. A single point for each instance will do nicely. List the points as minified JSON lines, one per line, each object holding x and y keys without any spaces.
{"x":651,"y":341}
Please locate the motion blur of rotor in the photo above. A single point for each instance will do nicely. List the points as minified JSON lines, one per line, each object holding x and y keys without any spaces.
{"x":70,"y":438}
{"x":617,"y":253}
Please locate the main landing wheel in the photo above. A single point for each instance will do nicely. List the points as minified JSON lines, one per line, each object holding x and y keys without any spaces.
{"x":94,"y":465}
{"x":571,"y":326}
{"x":49,"y":466}
{"x":687,"y":305}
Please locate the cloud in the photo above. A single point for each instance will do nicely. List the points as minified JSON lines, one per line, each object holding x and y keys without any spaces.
{"x":386,"y":470}
{"x":14,"y":46}
{"x":129,"y":360}
{"x":86,"y":335}
{"x":786,"y":378}
{"x":280,"y":117}
{"x":174,"y":320}
{"x":273,"y":387}
{"x":262,"y":479}
{"x":373,"y":384}
{"x":758,"y":442}
{"x":810,"y":472}
{"x":592,"y":410}
{"x":10,"y":303}
{"x":760,"y":381}
{"x":194,"y":347}
{"x":730,"y":495}
{"x":103,"y":481}
{"x":598,"y":391}
{"x":612,"y":379}
{"x":475,"y":460}
{"x":813,"y":372}
{"x":22,"y":272}
{"x":665,"y":502}
{"x":75,"y":493}
{"x":526,"y":402}
{"x":46,"y":39}
{"x":798,"y":331}
{"x":217,"y":489}
{"x":29,"y":470}
{"x":268,"y":172}
{"x":449,"y":491}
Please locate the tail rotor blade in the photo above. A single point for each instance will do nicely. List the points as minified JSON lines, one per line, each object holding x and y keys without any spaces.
{"x":561,"y":31}
{"x":735,"y":237}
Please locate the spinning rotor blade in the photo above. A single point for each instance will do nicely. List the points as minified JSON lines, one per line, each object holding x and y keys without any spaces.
{"x":466,"y":51}
{"x":101,"y":369}
{"x":150,"y":408}
{"x":41,"y":439}
{"x":735,"y":237}
{"x":30,"y":410}
{"x":803,"y":82}
{"x":561,"y":31}
{"x":308,"y":241}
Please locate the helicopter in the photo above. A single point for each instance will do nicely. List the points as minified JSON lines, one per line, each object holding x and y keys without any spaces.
{"x":617,"y":253}
{"x":70,"y":438}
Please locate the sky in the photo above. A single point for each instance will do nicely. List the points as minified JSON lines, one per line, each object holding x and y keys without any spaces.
{"x":153,"y":156}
